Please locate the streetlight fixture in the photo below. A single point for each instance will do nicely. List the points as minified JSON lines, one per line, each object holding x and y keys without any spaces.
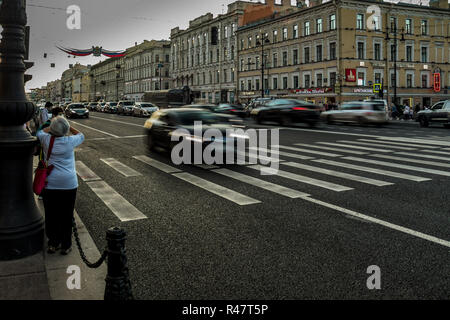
{"x":117,"y":81}
{"x":264,"y":40}
{"x":21,"y":223}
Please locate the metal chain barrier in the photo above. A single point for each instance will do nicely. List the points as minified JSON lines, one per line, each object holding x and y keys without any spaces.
{"x":83,"y":256}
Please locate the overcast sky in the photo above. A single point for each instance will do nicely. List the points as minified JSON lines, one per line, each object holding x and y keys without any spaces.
{"x":112,"y":24}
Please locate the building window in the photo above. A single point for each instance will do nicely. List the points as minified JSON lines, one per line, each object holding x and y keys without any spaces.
{"x":257,"y":84}
{"x":377,"y":51}
{"x":359,"y":21}
{"x":242,"y":65}
{"x":257,"y":63}
{"x":225,"y":53}
{"x":319,"y":25}
{"x":393,"y":24}
{"x":332,"y":50}
{"x":295,"y":31}
{"x":225,"y":32}
{"x":295,"y":56}
{"x":333,"y":22}
{"x":424,"y":54}
{"x":242,"y":44}
{"x":361,"y":50}
{"x":210,"y":77}
{"x":249,"y":63}
{"x":275,"y":83}
{"x":157,"y":58}
{"x":319,"y":53}
{"x":393,"y":53}
{"x":306,"y":54}
{"x":225,"y":75}
{"x":393,"y":79}
{"x":332,"y":79}
{"x":217,"y":55}
{"x":232,"y":75}
{"x":307,"y":81}
{"x":275,"y":60}
{"x":424,"y":27}
{"x":409,"y":83}
{"x":285,"y":34}
{"x":275,"y":35}
{"x":409,"y":53}
{"x":424,"y":81}
{"x":295,"y":82}
{"x":319,"y":80}
{"x":242,"y":85}
{"x":232,"y":52}
{"x":361,"y":79}
{"x":249,"y":42}
{"x":376,"y":23}
{"x":408,"y":26}
{"x":285,"y":83}
{"x":306,"y":29}
{"x":377,"y":77}
{"x":285,"y":58}
{"x":217,"y":76}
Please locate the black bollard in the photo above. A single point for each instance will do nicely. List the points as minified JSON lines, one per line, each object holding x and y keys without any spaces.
{"x":118,"y":285}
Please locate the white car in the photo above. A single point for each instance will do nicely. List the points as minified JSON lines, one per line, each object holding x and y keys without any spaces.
{"x":361,"y":112}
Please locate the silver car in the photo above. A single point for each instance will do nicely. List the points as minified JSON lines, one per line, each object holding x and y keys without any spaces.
{"x":144,"y":109}
{"x":361,"y":112}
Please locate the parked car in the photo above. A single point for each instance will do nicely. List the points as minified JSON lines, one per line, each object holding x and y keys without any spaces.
{"x":76,"y":110}
{"x":125,"y":107}
{"x":161,"y":127}
{"x":361,"y":112}
{"x":91,"y":106}
{"x":101,"y":107}
{"x":287,"y":111}
{"x":438,"y":113}
{"x":111,"y":107}
{"x":144,"y":109}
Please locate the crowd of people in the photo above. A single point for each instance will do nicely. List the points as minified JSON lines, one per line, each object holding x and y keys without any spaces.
{"x":400,"y":112}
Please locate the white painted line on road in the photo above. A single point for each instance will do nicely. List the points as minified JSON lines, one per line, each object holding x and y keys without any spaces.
{"x":400,"y":166}
{"x":206,"y":166}
{"x":107,"y":133}
{"x":354,"y":147}
{"x":302,"y":179}
{"x":445,"y":149}
{"x":156,"y":164}
{"x":326,"y":154}
{"x":85,"y":173}
{"x":124,"y":210}
{"x":381,"y":222}
{"x":428,"y":142}
{"x":262,"y":158}
{"x":373,"y":170}
{"x":330,"y":148}
{"x":375,"y":145}
{"x":121,"y":168}
{"x":339,"y":174}
{"x":426,"y":156}
{"x":272,"y":187}
{"x":388,"y":143}
{"x":130,"y":137}
{"x":281,"y":153}
{"x":130,"y":124}
{"x":216,"y":189}
{"x":437,"y":152}
{"x":425,"y":162}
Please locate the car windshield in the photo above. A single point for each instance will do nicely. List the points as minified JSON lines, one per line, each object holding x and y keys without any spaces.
{"x":378,"y":106}
{"x":113,"y":104}
{"x":351,"y":106}
{"x":188,"y":118}
{"x":128,"y":103}
{"x":76,"y":106}
{"x":147,"y":106}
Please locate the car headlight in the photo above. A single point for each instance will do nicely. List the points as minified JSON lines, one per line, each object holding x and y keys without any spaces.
{"x":254,"y":111}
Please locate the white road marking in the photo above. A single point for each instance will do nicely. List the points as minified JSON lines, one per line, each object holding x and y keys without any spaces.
{"x":428,"y":142}
{"x":263,"y":158}
{"x":330,"y":148}
{"x":393,"y":143}
{"x":437,"y":152}
{"x":83,"y":125}
{"x":130,"y":124}
{"x":120,"y":167}
{"x":216,"y":189}
{"x":354,"y":147}
{"x":124,"y":210}
{"x":206,"y":166}
{"x":281,"y":153}
{"x":374,"y":145}
{"x":426,"y":156}
{"x":291,"y":193}
{"x":400,"y":166}
{"x":339,"y":174}
{"x":156,"y":164}
{"x":302,"y":179}
{"x":381,"y":222}
{"x":373,"y":170}
{"x":426,"y":162}
{"x":85,"y":173}
{"x":326,"y":154}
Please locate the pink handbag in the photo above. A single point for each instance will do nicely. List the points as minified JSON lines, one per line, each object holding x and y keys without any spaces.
{"x":42,"y":171}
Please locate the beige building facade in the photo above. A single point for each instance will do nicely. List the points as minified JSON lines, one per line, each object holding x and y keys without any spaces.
{"x":107,"y":80}
{"x":337,"y":51}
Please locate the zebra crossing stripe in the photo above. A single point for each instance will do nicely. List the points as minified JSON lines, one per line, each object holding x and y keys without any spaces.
{"x":426,"y":162}
{"x":326,"y":154}
{"x":437,"y":152}
{"x":302,"y":179}
{"x":418,"y":141}
{"x":216,"y":189}
{"x":375,"y":145}
{"x":330,"y":148}
{"x":206,"y":166}
{"x":156,"y":164}
{"x":121,"y":168}
{"x":85,"y":173}
{"x":281,"y":153}
{"x":115,"y":202}
{"x":373,"y":170}
{"x":423,"y":156}
{"x":284,"y":191}
{"x":338,"y":174}
{"x":354,"y":147}
{"x":388,"y":143}
{"x":400,"y":166}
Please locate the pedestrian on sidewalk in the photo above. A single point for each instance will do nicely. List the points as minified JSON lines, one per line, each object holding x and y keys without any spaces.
{"x":60,"y":193}
{"x":406,"y":112}
{"x":44,"y":115}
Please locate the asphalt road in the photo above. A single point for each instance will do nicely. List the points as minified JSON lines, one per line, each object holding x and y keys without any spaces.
{"x":193,"y":239}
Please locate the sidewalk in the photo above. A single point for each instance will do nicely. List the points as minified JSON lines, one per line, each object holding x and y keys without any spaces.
{"x":44,"y":276}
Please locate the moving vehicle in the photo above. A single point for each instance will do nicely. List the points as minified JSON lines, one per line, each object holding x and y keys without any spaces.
{"x":222,"y":113}
{"x":171,"y":98}
{"x":361,"y":112}
{"x":287,"y":111}
{"x":76,"y":110}
{"x":144,"y":109}
{"x":125,"y":107}
{"x":110,"y":107}
{"x":438,"y":113}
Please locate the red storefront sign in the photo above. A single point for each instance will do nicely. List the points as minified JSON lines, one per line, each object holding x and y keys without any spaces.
{"x":350,"y":75}
{"x":437,"y":82}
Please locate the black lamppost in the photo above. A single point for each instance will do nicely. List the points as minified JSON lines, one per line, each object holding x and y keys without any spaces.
{"x":117,"y":81}
{"x":21,"y":223}
{"x":264,"y":39}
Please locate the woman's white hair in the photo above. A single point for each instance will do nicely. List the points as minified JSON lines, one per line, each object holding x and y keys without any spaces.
{"x":59,"y":126}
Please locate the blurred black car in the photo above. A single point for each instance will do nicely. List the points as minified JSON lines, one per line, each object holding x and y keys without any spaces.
{"x":224,"y":114}
{"x":287,"y":111}
{"x":76,"y":110}
{"x":162,"y":125}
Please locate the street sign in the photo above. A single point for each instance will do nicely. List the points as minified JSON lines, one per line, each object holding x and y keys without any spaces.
{"x":377,"y":87}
